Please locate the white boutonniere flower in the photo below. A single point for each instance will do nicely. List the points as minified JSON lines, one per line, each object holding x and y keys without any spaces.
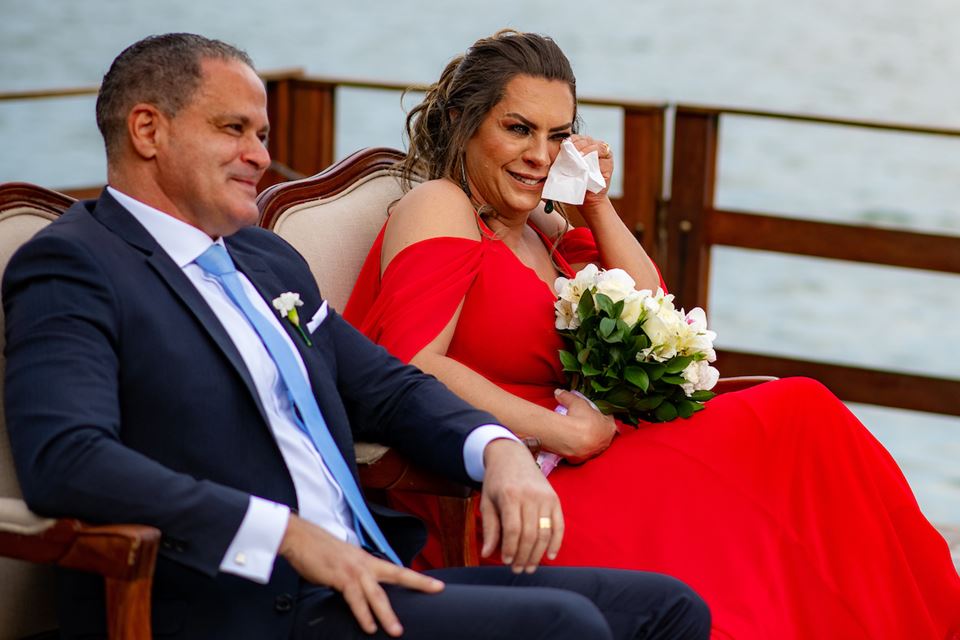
{"x":286,"y":305}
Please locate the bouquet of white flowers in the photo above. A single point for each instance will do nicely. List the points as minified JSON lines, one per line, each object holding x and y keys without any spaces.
{"x":632,"y":352}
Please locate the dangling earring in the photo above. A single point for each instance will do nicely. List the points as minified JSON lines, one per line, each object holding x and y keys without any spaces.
{"x":463,"y":178}
{"x":548,"y":206}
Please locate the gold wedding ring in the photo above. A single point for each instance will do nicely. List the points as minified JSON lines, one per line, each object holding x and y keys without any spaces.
{"x":546,"y":522}
{"x":606,"y":150}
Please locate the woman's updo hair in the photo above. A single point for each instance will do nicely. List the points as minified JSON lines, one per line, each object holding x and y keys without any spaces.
{"x":439,"y":127}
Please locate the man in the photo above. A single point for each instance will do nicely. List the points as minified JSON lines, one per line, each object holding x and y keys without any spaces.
{"x":149,"y":381}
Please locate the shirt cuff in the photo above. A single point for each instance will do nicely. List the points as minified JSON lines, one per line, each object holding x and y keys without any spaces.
{"x":254,"y":547}
{"x":476,"y":442}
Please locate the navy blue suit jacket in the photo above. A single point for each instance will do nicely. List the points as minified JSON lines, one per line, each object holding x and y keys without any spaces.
{"x":127,"y":402}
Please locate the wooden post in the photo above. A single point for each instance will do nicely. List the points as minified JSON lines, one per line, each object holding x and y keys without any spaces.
{"x":694,"y":169}
{"x":313,"y":107}
{"x":642,"y":174}
{"x":278,"y":111}
{"x":302,"y":115}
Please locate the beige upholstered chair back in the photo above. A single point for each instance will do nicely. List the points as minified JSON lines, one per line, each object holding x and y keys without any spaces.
{"x":333,"y":218}
{"x":26,"y":590}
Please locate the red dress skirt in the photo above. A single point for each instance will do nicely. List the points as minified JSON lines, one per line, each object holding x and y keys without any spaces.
{"x":774,"y":503}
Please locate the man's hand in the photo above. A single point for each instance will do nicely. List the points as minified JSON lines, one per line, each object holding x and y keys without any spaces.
{"x":321,"y":558}
{"x":516,"y":499}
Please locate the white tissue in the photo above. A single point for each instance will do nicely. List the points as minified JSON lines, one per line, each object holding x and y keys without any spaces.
{"x":572,"y":174}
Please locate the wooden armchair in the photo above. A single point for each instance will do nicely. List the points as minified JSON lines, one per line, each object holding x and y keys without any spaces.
{"x":123,"y":554}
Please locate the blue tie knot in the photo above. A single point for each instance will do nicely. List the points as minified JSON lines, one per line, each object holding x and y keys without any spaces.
{"x":216,"y":261}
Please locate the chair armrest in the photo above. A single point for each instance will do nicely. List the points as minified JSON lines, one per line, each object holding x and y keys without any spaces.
{"x":124,"y":554}
{"x":737,"y":383}
{"x":391,"y":470}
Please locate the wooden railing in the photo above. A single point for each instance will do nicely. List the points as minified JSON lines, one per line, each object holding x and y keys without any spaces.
{"x":694,"y":225}
{"x":678,"y":232}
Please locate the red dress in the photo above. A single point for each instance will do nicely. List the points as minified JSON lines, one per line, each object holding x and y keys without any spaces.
{"x":774,"y":503}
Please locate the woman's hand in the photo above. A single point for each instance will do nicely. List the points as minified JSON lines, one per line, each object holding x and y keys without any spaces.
{"x":617,"y":244}
{"x":586,"y":144}
{"x":584,"y":432}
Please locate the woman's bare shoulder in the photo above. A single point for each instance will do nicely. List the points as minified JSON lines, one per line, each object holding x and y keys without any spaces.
{"x":433,"y":209}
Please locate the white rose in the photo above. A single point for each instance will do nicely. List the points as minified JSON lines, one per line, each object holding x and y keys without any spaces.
{"x":615,"y":283}
{"x":699,"y":376}
{"x":709,"y":377}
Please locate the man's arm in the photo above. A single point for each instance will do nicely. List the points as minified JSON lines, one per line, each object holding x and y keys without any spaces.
{"x":400,"y":406}
{"x":63,"y":410}
{"x":429,"y":423}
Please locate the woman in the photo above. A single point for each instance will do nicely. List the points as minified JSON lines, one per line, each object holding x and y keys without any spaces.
{"x":774,"y":503}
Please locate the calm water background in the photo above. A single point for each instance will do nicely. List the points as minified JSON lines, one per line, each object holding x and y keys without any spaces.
{"x":881,"y":59}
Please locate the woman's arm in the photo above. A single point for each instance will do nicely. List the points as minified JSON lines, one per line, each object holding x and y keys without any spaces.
{"x":440,"y":209}
{"x":581,"y":434}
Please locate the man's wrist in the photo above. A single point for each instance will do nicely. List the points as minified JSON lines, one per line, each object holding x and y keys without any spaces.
{"x":254,"y":548}
{"x":474,"y":448}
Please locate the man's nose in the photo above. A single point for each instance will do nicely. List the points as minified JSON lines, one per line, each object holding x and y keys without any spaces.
{"x":256,"y":154}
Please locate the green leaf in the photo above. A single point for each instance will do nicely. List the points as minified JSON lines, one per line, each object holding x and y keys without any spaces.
{"x":585,"y":308}
{"x":605,"y":304}
{"x":673,"y":379}
{"x":654,"y":369}
{"x":702,"y":395}
{"x":637,"y":377}
{"x":621,"y":396}
{"x":607,"y":326}
{"x":615,"y":355}
{"x":665,"y":412}
{"x":686,"y":408}
{"x":590,"y":370}
{"x":630,"y":418}
{"x":599,"y":387}
{"x":608,"y":408}
{"x":569,"y":361}
{"x":612,"y":374}
{"x":678,"y":364}
{"x":617,"y":309}
{"x":614,"y":338}
{"x":647,"y":403}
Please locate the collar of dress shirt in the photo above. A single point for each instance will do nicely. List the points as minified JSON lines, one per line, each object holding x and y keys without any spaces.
{"x":182,"y":242}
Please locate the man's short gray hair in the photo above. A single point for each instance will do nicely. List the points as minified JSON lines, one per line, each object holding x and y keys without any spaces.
{"x":162,"y":70}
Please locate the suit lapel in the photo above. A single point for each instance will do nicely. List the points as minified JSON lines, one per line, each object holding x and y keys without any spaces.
{"x":269,"y":285}
{"x":113,"y":216}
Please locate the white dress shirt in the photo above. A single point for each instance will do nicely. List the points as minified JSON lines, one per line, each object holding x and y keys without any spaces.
{"x":253,"y":550}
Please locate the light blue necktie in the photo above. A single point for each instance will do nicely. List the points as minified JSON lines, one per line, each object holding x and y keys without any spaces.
{"x":217,"y":262}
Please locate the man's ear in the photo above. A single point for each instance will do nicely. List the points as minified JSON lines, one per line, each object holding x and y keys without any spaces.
{"x":146,"y":127}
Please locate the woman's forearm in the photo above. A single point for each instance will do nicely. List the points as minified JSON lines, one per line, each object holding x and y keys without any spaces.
{"x":617,"y":245}
{"x":522,"y":417}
